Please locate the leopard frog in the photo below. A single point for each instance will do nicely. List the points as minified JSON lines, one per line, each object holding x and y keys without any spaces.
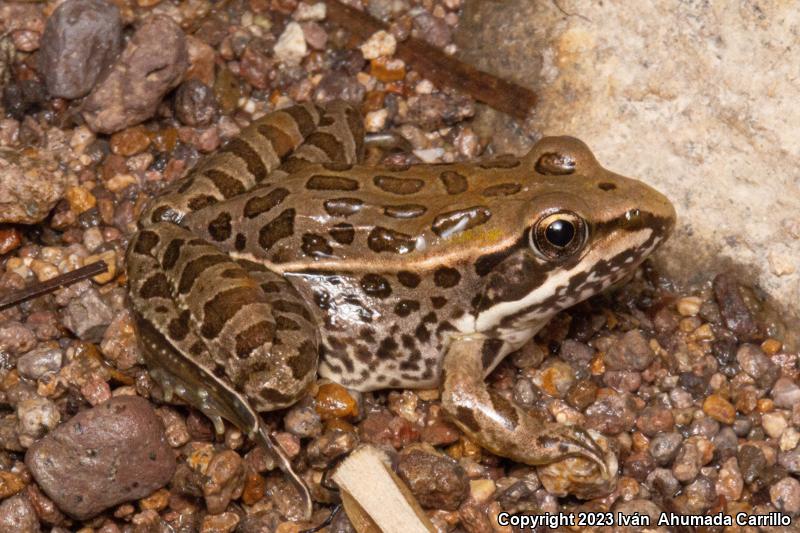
{"x":280,"y":258}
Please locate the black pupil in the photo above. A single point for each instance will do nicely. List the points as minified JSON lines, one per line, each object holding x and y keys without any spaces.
{"x":560,"y":233}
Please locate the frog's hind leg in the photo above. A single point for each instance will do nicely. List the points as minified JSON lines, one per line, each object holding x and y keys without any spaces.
{"x":506,"y":429}
{"x":232,"y":340}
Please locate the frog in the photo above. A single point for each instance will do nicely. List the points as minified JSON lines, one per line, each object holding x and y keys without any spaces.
{"x":283,"y":258}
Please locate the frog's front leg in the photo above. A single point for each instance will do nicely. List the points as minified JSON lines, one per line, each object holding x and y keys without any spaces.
{"x":232,"y":339}
{"x":506,"y":429}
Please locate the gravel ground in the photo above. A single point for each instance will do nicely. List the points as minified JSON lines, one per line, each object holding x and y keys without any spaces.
{"x":695,"y":388}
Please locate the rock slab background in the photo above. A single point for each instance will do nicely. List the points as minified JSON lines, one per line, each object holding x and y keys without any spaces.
{"x":698,"y":99}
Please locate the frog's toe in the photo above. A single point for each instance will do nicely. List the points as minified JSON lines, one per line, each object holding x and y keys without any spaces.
{"x":584,"y":475}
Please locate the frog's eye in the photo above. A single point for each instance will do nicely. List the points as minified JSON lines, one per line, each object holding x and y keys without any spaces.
{"x":558,"y":235}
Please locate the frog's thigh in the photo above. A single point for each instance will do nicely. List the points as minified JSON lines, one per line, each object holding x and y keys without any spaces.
{"x":245,"y":329}
{"x":505,"y":428}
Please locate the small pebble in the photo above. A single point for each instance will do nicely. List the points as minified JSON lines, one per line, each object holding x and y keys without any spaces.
{"x":785,"y":495}
{"x":689,"y":306}
{"x":774,"y":424}
{"x":719,"y":409}
{"x":291,"y":46}
{"x":334,"y":401}
{"x":380,"y":44}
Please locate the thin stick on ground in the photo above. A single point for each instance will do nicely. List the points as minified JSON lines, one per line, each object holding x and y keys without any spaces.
{"x":440,"y":68}
{"x":44,"y":287}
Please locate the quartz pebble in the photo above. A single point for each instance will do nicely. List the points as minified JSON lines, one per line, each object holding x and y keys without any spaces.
{"x":291,"y":46}
{"x":380,"y":43}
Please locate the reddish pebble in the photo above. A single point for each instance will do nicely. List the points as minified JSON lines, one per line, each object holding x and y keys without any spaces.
{"x":10,"y":239}
{"x":130,"y":141}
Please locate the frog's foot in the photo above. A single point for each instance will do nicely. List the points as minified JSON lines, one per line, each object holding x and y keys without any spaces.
{"x":506,"y":429}
{"x":234,"y":410}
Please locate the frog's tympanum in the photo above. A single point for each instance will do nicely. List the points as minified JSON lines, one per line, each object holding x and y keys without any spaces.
{"x":279,"y":256}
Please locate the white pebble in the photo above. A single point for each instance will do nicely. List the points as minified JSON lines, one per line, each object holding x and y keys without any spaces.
{"x":36,"y":416}
{"x":380,"y":44}
{"x":789,"y":439}
{"x":430,"y":155}
{"x":291,"y":47}
{"x":374,"y":121}
{"x":424,"y":87}
{"x":305,"y":12}
{"x":774,"y":424}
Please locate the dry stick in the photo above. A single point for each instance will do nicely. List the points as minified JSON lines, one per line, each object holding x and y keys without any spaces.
{"x":37,"y":289}
{"x":440,"y":68}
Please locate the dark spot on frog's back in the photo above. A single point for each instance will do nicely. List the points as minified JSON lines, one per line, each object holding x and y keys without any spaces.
{"x":605,"y":186}
{"x":279,"y":228}
{"x":404,"y":211}
{"x":386,"y":240}
{"x":446,"y":277}
{"x":253,"y":337}
{"x":194,"y":268}
{"x":261,"y":204}
{"x":179,"y":327}
{"x":172,"y":253}
{"x":200,"y":201}
{"x":226,"y":184}
{"x":302,"y":118}
{"x":156,"y":286}
{"x":145,"y":242}
{"x":321,"y":182}
{"x":316,"y":246}
{"x":555,"y":164}
{"x":406,"y":307}
{"x":454,"y":183}
{"x":408,"y":279}
{"x":388,"y":349}
{"x":376,"y":285}
{"x":239,"y":147}
{"x":220,"y":228}
{"x":305,"y":360}
{"x":240,"y":243}
{"x":343,"y":233}
{"x":343,"y":207}
{"x":460,"y":220}
{"x":401,"y":186}
{"x":281,"y":141}
{"x":502,"y":189}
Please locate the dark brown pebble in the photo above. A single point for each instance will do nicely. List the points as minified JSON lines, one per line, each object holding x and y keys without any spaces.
{"x":195,"y":104}
{"x":82,"y":38}
{"x":437,"y":481}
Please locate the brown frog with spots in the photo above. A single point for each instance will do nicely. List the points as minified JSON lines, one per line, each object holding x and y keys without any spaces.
{"x":279,"y":256}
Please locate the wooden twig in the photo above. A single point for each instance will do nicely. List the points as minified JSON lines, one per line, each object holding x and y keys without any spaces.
{"x":375,"y":499}
{"x":440,"y":68}
{"x":44,"y":287}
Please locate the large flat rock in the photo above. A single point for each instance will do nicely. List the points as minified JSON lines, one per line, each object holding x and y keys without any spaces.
{"x":698,"y":99}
